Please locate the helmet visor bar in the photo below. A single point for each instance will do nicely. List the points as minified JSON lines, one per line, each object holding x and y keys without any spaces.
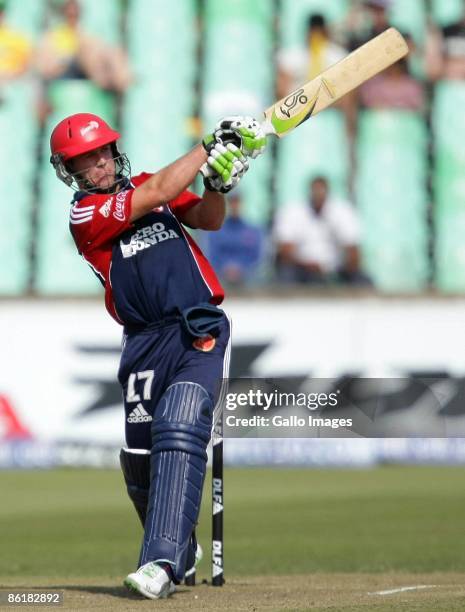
{"x":78,"y":180}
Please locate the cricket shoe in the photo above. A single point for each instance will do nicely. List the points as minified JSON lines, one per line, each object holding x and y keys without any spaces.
{"x":198,"y":557}
{"x":151,"y":581}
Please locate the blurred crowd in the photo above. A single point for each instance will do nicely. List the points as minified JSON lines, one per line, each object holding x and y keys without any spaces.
{"x":65,"y":51}
{"x":316,"y":241}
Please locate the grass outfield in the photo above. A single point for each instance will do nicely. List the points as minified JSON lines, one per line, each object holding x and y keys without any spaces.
{"x":333,"y":535}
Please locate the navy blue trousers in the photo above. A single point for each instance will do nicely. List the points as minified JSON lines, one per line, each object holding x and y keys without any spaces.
{"x":152,"y":360}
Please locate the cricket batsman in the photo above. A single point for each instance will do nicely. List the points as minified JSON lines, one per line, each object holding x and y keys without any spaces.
{"x":131,"y":230}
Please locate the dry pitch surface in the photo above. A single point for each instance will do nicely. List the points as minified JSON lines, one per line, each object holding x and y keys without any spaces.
{"x":440,"y":592}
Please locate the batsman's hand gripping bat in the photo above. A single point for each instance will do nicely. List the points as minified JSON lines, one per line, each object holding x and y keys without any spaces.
{"x":328,"y":87}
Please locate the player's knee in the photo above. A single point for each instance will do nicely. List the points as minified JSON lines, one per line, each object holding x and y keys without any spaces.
{"x":183,"y":420}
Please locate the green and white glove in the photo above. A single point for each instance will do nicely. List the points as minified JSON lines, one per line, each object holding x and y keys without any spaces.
{"x":225,"y":166}
{"x":245,"y":132}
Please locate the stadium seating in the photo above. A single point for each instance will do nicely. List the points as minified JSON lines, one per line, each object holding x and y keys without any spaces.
{"x":409,"y":16}
{"x":319,"y":147}
{"x":449,"y":185}
{"x":162,"y":99}
{"x":445,"y":12}
{"x":161,"y":37}
{"x":392,"y":198}
{"x":18,"y":134}
{"x":27,"y":16}
{"x":102,"y":19}
{"x":247,"y":91}
{"x":295,"y":13}
{"x":59,"y":269}
{"x":79,"y":96}
{"x":177,"y":51}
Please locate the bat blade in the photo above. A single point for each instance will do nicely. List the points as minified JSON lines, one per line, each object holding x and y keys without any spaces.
{"x":365,"y":62}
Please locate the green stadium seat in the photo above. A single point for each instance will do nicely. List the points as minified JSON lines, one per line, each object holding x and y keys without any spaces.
{"x":169,"y":127}
{"x":248,"y":28}
{"x":396,"y":266}
{"x":27,"y":16}
{"x":449,"y":185}
{"x":244,"y":10}
{"x":102,"y":18}
{"x":449,"y":180}
{"x":254,"y":55}
{"x":450,"y":249}
{"x":18,"y":134}
{"x":154,"y":48}
{"x":397,"y":128}
{"x":448,"y":120}
{"x":142,"y":143}
{"x":321,"y":147}
{"x":392,"y":198}
{"x":445,"y":12}
{"x":409,"y":16}
{"x":80,"y":96}
{"x":16,"y":216}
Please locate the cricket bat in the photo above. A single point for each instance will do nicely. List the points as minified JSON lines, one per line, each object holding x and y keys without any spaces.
{"x":327,"y":88}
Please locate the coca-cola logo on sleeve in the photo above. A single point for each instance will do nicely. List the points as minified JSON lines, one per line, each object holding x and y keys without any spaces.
{"x":120,"y":201}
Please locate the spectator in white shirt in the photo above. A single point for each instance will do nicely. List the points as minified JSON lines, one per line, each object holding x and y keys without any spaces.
{"x":318,"y":241}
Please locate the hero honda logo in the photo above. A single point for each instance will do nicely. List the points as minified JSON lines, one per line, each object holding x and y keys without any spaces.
{"x":145,"y":238}
{"x":92,"y":125}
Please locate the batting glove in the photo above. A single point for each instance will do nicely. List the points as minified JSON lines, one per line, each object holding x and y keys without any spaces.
{"x":245,"y":132}
{"x":224,"y":168}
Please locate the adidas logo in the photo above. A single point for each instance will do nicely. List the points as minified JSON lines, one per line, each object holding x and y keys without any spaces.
{"x":139,"y":415}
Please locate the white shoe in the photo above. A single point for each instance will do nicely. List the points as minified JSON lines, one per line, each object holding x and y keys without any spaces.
{"x":150,"y":580}
{"x":198,"y":557}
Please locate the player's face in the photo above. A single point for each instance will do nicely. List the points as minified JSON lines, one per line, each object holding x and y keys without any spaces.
{"x":96,"y":167}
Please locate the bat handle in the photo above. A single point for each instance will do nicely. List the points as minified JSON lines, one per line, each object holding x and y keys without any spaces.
{"x":268,"y":128}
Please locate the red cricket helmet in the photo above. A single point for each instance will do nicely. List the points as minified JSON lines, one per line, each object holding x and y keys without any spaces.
{"x":77,"y":134}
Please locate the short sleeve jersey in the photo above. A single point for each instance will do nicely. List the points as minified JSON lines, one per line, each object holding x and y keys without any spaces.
{"x":151,"y":268}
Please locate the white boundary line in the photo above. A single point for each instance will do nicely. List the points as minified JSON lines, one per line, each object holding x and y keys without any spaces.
{"x":402,"y":589}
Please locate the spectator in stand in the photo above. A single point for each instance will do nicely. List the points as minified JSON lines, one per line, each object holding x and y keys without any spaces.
{"x":374,"y":14}
{"x":300,"y":64}
{"x":394,"y":88}
{"x":236,"y":250}
{"x":318,"y":241}
{"x":445,"y":52}
{"x":15,"y":50}
{"x":67,"y":52}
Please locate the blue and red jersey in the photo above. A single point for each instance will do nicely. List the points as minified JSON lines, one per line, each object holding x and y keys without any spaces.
{"x":151,"y":268}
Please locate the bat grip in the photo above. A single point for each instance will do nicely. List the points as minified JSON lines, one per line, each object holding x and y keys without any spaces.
{"x":268,"y":128}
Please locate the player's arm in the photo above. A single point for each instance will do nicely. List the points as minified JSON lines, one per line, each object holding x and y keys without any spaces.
{"x":222,"y":160}
{"x":208,"y":214}
{"x":168,"y":183}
